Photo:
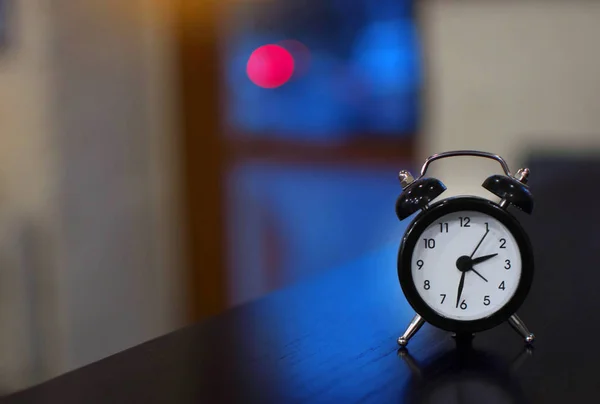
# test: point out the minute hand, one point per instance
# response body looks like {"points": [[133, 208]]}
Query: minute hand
{"points": [[478, 244], [479, 260]]}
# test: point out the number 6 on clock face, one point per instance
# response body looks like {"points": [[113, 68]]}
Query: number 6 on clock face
{"points": [[465, 264]]}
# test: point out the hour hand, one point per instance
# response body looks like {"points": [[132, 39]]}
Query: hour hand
{"points": [[479, 260]]}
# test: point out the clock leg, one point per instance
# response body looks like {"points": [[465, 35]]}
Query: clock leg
{"points": [[416, 323], [517, 324]]}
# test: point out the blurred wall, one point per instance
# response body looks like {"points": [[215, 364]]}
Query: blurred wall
{"points": [[510, 77], [88, 184], [28, 200]]}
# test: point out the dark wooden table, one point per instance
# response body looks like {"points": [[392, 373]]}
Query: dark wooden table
{"points": [[333, 339]]}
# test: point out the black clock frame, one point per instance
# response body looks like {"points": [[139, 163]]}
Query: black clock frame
{"points": [[412, 236]]}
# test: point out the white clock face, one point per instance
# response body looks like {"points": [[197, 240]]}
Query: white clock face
{"points": [[466, 265]]}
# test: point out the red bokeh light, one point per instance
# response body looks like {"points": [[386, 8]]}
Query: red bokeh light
{"points": [[270, 66]]}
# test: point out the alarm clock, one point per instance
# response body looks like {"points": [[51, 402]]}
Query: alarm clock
{"points": [[465, 263]]}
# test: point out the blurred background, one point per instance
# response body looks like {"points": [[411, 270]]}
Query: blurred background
{"points": [[162, 161]]}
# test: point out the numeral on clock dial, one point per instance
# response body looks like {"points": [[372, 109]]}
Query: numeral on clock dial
{"points": [[465, 221]]}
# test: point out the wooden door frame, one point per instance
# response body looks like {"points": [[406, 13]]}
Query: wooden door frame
{"points": [[203, 155]]}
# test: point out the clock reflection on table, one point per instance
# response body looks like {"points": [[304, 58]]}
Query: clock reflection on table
{"points": [[465, 375]]}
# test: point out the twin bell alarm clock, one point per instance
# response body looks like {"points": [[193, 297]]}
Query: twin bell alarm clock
{"points": [[465, 263]]}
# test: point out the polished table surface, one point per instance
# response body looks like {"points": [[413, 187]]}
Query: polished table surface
{"points": [[332, 339]]}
